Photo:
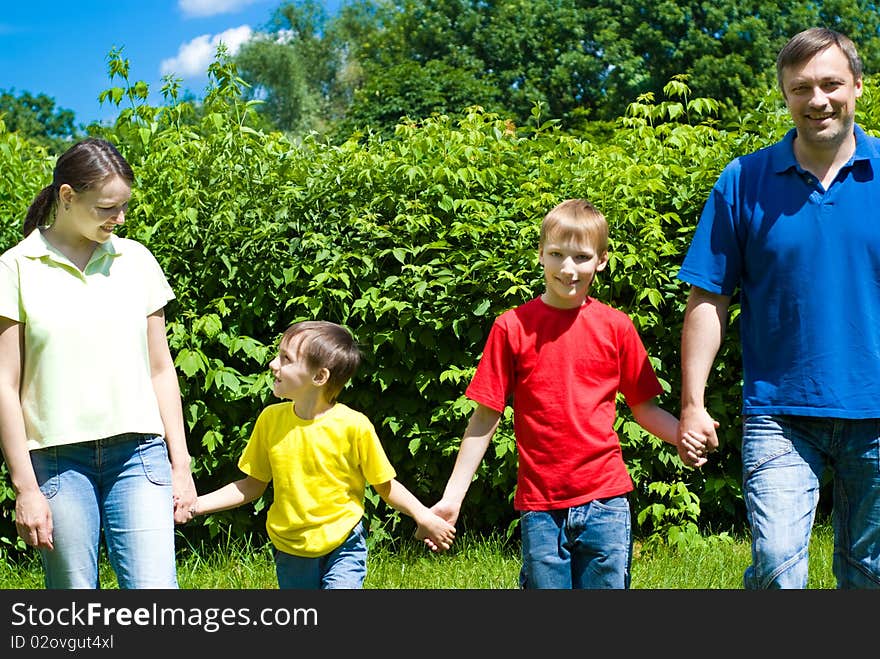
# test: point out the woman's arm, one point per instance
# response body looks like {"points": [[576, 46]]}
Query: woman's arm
{"points": [[171, 410], [33, 518]]}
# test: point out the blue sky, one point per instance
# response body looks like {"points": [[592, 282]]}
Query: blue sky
{"points": [[59, 47]]}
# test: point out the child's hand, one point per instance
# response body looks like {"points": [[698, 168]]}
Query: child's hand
{"points": [[693, 449], [436, 532], [444, 510], [188, 514]]}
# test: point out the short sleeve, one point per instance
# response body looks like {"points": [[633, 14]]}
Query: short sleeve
{"points": [[159, 291], [713, 261], [254, 460], [638, 381], [492, 384], [10, 298], [375, 465]]}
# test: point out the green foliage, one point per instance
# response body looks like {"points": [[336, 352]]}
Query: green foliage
{"points": [[379, 60], [415, 242], [410, 89], [297, 68], [37, 118], [27, 168]]}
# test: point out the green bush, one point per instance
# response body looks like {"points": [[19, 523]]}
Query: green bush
{"points": [[415, 243]]}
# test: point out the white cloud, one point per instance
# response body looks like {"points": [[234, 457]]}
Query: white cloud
{"points": [[194, 57], [211, 7]]}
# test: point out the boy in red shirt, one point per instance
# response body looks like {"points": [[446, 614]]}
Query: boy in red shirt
{"points": [[560, 360]]}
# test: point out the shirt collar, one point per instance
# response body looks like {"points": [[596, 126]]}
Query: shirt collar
{"points": [[36, 246], [783, 151]]}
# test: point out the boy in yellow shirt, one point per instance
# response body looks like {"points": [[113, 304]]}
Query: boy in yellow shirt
{"points": [[320, 454]]}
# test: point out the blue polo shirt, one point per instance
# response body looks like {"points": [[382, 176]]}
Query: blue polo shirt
{"points": [[806, 262]]}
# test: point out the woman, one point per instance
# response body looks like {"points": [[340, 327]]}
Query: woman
{"points": [[91, 425]]}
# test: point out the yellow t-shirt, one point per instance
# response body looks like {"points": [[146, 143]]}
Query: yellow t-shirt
{"points": [[319, 469]]}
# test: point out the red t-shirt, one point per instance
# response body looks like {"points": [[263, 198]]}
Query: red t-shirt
{"points": [[561, 370]]}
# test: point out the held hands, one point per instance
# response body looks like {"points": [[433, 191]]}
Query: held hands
{"points": [[692, 450], [443, 510], [436, 532], [697, 437], [188, 514], [184, 494]]}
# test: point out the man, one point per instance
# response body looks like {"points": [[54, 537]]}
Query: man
{"points": [[795, 228]]}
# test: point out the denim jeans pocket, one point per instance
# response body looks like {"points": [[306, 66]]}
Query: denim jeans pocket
{"points": [[154, 458], [613, 504], [45, 463], [765, 438]]}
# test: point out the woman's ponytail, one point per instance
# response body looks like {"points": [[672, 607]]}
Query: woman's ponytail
{"points": [[40, 211]]}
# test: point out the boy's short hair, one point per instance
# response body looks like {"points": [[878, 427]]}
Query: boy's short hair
{"points": [[575, 220], [326, 345]]}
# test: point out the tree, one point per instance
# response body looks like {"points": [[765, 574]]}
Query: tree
{"points": [[408, 89], [591, 58], [37, 118], [727, 48], [580, 60], [298, 69]]}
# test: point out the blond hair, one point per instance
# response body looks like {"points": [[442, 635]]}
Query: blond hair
{"points": [[575, 220]]}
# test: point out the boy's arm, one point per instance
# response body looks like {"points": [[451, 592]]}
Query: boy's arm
{"points": [[229, 496], [477, 436], [664, 425], [432, 528]]}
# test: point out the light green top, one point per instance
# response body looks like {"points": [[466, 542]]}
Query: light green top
{"points": [[86, 372]]}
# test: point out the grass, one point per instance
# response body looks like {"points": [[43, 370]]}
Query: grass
{"points": [[472, 563], [720, 563]]}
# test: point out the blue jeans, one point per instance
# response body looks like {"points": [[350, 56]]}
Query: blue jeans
{"points": [[344, 567], [588, 546], [783, 461], [121, 485]]}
